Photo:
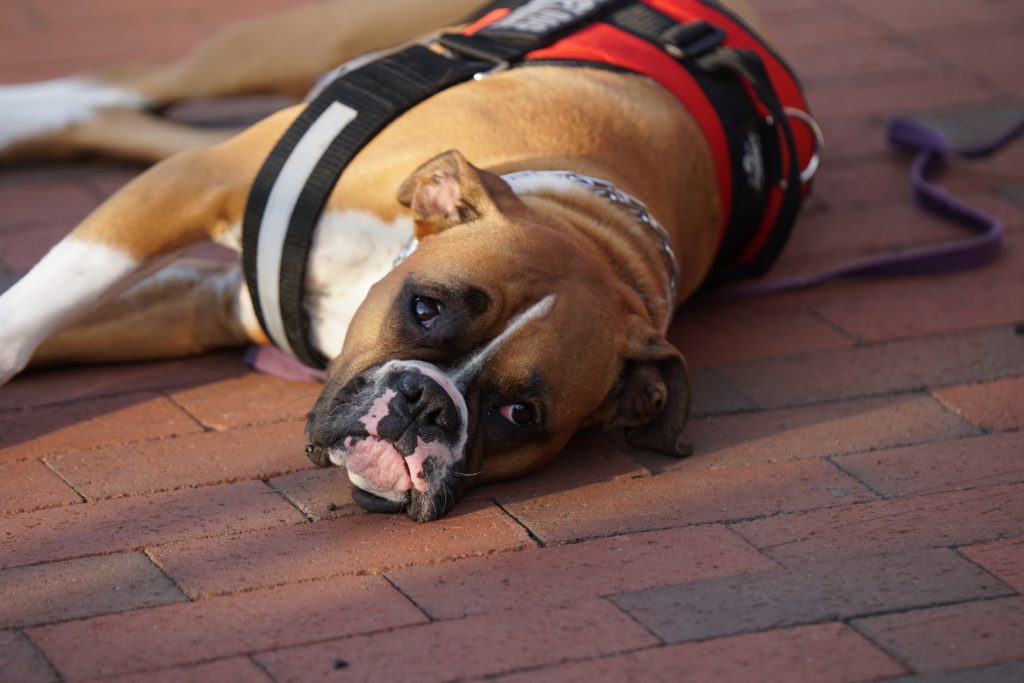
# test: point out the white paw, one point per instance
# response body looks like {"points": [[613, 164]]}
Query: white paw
{"points": [[32, 109], [14, 357]]}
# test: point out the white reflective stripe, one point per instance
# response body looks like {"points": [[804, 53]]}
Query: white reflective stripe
{"points": [[280, 206]]}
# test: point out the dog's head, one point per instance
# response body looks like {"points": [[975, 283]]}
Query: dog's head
{"points": [[483, 352]]}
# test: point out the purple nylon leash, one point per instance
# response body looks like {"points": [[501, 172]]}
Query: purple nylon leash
{"points": [[932, 147]]}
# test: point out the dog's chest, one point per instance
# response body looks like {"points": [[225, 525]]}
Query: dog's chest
{"points": [[351, 251]]}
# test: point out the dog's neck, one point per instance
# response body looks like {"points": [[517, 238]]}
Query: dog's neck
{"points": [[614, 222]]}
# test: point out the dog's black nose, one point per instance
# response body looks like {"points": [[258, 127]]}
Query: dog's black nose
{"points": [[421, 408]]}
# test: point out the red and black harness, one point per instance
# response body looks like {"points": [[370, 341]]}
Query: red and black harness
{"points": [[743, 96]]}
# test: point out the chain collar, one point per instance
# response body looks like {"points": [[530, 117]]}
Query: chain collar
{"points": [[525, 181]]}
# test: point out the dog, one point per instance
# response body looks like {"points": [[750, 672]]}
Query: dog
{"points": [[559, 212]]}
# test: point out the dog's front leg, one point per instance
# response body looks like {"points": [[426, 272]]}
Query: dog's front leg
{"points": [[189, 198]]}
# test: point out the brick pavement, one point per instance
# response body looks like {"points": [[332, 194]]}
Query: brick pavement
{"points": [[855, 509]]}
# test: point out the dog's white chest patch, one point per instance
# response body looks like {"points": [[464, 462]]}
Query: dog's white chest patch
{"points": [[351, 251], [35, 108]]}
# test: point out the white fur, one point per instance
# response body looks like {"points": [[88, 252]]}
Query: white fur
{"points": [[67, 283], [351, 251], [32, 109]]}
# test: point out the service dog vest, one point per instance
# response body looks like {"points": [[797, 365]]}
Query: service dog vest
{"points": [[743, 96]]}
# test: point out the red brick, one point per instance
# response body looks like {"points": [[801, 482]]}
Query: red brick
{"points": [[1005, 559], [943, 519], [814, 431], [904, 365], [31, 485], [952, 637], [995, 405], [74, 47], [822, 26], [348, 545], [930, 306], [810, 592], [321, 493], [729, 331], [563, 575], [826, 653], [221, 671], [246, 400], [917, 16], [88, 586], [678, 500], [868, 181], [40, 388], [711, 394], [455, 650], [53, 201], [210, 458], [941, 466], [223, 626], [897, 94], [88, 424], [21, 662], [130, 523], [874, 57]]}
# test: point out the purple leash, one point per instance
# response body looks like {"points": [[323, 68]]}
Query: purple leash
{"points": [[932, 147]]}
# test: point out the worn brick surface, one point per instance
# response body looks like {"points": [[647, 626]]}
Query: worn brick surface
{"points": [[1005, 559], [1010, 672], [711, 333], [943, 519], [347, 545], [806, 593], [30, 485], [65, 201], [72, 384], [208, 458], [814, 431], [903, 365], [230, 670], [223, 626], [249, 399], [930, 306], [58, 591], [942, 466], [321, 493], [682, 499], [566, 574], [88, 424], [127, 523], [829, 653], [953, 637], [992, 405], [21, 662], [437, 652]]}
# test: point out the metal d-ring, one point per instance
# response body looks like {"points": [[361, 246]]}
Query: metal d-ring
{"points": [[819, 141]]}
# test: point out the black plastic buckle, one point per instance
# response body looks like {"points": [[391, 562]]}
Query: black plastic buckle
{"points": [[691, 40]]}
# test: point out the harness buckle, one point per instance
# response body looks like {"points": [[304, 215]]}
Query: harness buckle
{"points": [[691, 40], [819, 141]]}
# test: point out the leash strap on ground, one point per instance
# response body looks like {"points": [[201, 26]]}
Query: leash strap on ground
{"points": [[932, 147]]}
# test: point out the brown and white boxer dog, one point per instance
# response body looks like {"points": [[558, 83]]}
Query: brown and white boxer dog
{"points": [[532, 306]]}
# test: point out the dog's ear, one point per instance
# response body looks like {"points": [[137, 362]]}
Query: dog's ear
{"points": [[448, 191], [651, 401]]}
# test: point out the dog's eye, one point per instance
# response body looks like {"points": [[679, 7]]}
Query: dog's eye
{"points": [[426, 311], [519, 414]]}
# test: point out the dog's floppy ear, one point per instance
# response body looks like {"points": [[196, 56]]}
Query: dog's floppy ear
{"points": [[448, 191], [651, 401]]}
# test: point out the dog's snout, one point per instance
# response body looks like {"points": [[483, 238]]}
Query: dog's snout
{"points": [[421, 408]]}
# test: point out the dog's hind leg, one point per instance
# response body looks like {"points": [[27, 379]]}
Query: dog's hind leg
{"points": [[110, 112], [191, 197], [189, 307]]}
